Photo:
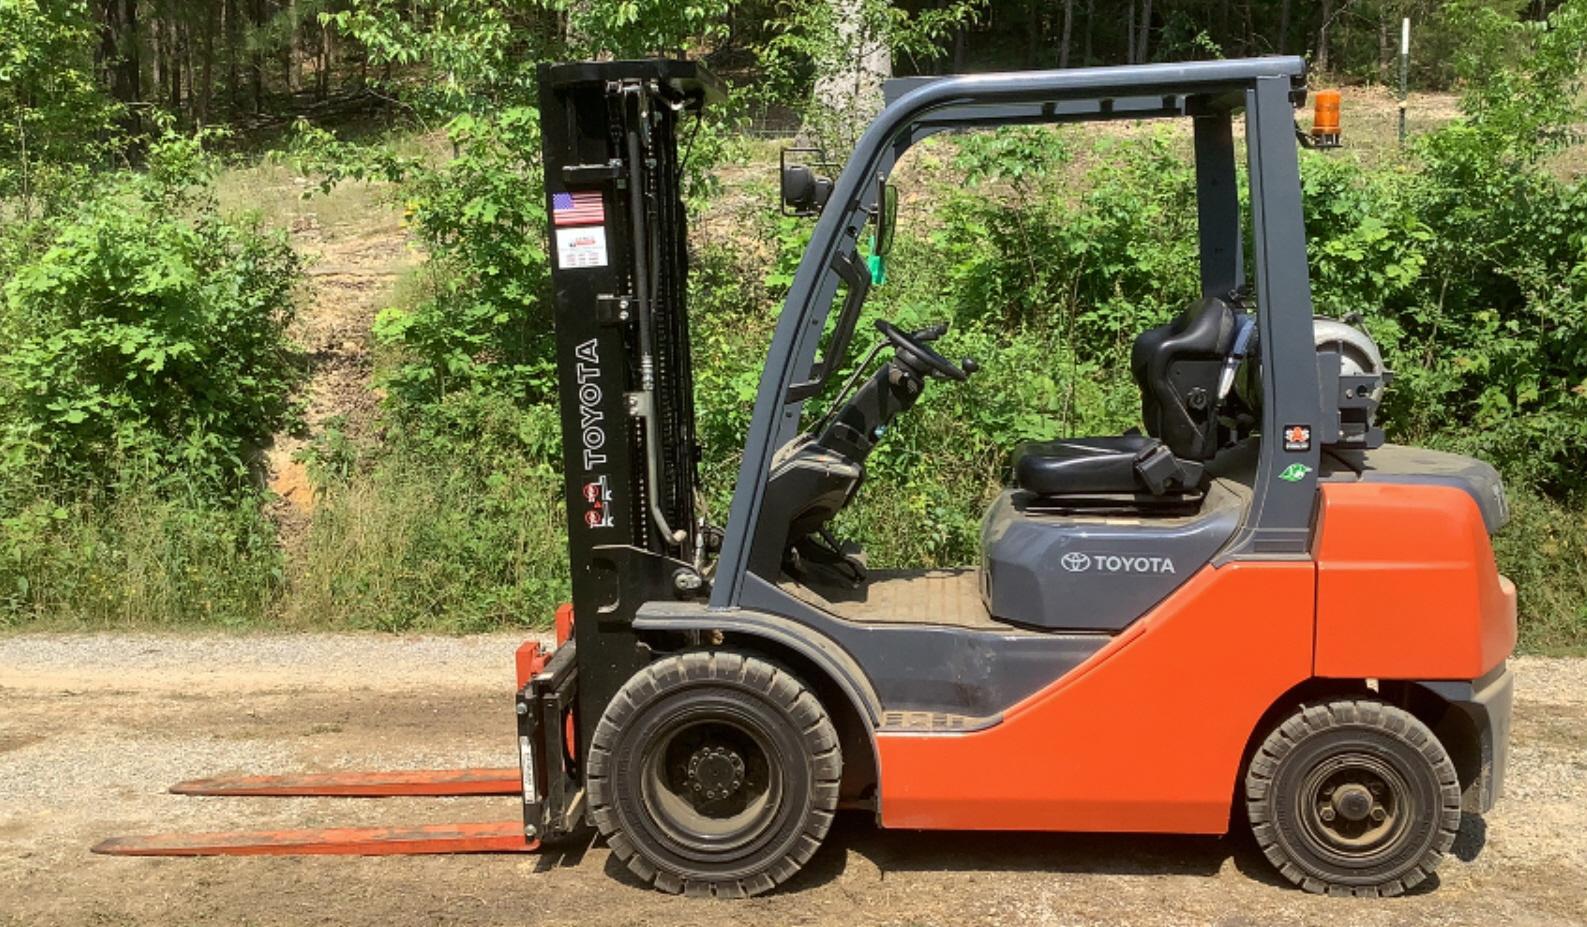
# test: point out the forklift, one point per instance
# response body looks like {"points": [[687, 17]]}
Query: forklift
{"points": [[1252, 612]]}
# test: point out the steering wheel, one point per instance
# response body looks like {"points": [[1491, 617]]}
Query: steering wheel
{"points": [[917, 348]]}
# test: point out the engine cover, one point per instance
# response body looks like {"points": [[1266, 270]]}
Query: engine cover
{"points": [[1095, 573]]}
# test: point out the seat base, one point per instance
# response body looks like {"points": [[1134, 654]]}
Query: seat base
{"points": [[1114, 504], [1129, 464]]}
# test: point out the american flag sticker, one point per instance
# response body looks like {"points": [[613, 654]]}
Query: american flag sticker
{"points": [[578, 207]]}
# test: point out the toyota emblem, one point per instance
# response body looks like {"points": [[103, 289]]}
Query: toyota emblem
{"points": [[1076, 562]]}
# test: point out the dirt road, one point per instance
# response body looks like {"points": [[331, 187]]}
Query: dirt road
{"points": [[92, 728]]}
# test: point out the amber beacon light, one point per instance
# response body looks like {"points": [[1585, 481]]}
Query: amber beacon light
{"points": [[1325, 119]]}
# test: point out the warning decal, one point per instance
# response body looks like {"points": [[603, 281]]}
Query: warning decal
{"points": [[581, 247]]}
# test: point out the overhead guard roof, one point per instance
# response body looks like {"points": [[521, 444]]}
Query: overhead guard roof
{"points": [[1079, 94], [688, 80]]}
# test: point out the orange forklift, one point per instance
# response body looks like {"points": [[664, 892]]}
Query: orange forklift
{"points": [[1252, 611]]}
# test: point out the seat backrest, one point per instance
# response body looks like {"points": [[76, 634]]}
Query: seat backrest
{"points": [[1177, 367]]}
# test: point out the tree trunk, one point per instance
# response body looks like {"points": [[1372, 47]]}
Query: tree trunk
{"points": [[156, 57], [207, 73], [1322, 35], [1385, 49], [173, 66], [1033, 35], [189, 66], [1142, 53], [1091, 15], [1068, 29], [848, 88], [294, 42], [120, 44], [327, 55], [228, 27], [256, 59], [1283, 27], [1129, 35]]}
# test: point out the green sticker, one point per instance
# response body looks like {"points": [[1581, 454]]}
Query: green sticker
{"points": [[1294, 473]]}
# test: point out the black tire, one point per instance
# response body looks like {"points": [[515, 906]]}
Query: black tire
{"points": [[714, 773], [1353, 797]]}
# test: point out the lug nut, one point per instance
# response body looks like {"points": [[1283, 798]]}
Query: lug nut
{"points": [[1378, 814]]}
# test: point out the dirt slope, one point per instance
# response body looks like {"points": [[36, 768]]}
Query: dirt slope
{"points": [[354, 248], [92, 729]]}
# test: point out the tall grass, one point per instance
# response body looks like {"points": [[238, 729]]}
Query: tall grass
{"points": [[138, 559], [416, 544]]}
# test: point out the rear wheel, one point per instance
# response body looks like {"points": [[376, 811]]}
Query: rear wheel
{"points": [[714, 773], [1353, 797]]}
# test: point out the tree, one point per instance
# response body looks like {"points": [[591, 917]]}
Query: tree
{"points": [[52, 112], [849, 75], [1068, 27]]}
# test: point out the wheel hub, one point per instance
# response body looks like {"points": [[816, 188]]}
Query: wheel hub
{"points": [[715, 772], [1353, 802], [1355, 806]]}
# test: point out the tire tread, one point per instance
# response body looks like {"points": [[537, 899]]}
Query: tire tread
{"points": [[743, 671], [1318, 717]]}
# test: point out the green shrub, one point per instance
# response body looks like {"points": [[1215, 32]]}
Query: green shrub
{"points": [[1544, 551], [147, 363], [146, 332], [486, 322]]}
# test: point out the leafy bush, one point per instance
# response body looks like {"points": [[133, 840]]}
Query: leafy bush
{"points": [[1470, 264], [147, 363], [486, 320], [145, 331]]}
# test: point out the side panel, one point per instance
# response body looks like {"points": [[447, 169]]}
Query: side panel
{"points": [[1407, 587], [1147, 735]]}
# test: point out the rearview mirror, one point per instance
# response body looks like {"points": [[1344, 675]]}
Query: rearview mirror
{"points": [[886, 219]]}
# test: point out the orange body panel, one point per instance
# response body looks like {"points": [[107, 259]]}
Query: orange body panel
{"points": [[1406, 585], [1146, 735]]}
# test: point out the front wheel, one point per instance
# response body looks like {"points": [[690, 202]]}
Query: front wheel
{"points": [[714, 773], [1353, 797]]}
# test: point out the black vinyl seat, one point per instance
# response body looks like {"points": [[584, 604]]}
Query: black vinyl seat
{"points": [[1102, 466], [1178, 367]]}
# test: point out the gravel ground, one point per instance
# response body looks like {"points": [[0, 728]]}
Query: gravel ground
{"points": [[93, 727]]}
